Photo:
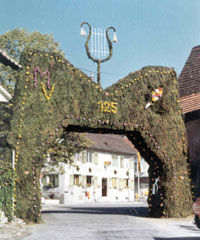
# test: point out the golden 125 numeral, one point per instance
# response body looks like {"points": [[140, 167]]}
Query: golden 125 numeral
{"points": [[110, 107]]}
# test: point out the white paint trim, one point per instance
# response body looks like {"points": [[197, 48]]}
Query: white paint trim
{"points": [[10, 59], [5, 95]]}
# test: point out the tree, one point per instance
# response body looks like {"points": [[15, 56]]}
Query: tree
{"points": [[14, 42], [64, 148]]}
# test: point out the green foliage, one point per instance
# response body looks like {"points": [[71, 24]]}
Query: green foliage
{"points": [[64, 148], [6, 188], [13, 43], [6, 172], [5, 115]]}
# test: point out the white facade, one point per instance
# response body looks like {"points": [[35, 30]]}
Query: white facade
{"points": [[4, 95], [144, 166], [141, 179], [95, 177]]}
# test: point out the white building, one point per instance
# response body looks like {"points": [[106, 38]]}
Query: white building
{"points": [[7, 61], [103, 172], [141, 179], [4, 95]]}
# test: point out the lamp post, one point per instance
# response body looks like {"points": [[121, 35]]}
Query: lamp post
{"points": [[97, 60]]}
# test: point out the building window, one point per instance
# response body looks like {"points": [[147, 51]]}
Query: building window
{"points": [[96, 158], [76, 179], [77, 157], [89, 157], [114, 182], [135, 167], [88, 181], [126, 183], [121, 162], [114, 161], [50, 181]]}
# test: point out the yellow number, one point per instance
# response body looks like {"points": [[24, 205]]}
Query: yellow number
{"points": [[114, 107], [107, 107], [101, 105]]}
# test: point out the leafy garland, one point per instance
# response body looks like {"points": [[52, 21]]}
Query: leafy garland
{"points": [[6, 189], [48, 97], [147, 129]]}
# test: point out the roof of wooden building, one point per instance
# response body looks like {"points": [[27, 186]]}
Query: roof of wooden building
{"points": [[8, 61], [111, 143], [189, 82]]}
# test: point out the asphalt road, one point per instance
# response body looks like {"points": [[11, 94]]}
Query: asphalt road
{"points": [[108, 222]]}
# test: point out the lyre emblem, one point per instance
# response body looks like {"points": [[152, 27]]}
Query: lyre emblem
{"points": [[101, 40]]}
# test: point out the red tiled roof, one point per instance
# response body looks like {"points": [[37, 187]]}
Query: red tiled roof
{"points": [[117, 144], [189, 82], [190, 103]]}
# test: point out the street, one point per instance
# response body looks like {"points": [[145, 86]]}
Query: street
{"points": [[108, 222]]}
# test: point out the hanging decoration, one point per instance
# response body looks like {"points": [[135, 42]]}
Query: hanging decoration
{"points": [[155, 186], [155, 96], [48, 97], [42, 74], [107, 163]]}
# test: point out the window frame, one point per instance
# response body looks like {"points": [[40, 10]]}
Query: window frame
{"points": [[76, 177], [122, 161], [89, 183], [115, 161], [89, 157]]}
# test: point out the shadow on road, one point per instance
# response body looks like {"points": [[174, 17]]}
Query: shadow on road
{"points": [[191, 228], [142, 211], [178, 238]]}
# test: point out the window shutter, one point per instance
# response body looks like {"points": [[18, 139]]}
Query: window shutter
{"points": [[71, 180], [83, 181], [109, 182], [95, 181], [124, 183], [96, 158], [92, 181], [114, 182], [56, 180], [121, 184], [44, 181], [80, 180], [122, 162], [84, 156], [131, 184], [131, 163]]}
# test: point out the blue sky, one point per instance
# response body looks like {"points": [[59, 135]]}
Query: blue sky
{"points": [[150, 32]]}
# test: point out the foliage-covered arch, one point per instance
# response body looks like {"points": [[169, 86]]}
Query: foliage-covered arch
{"points": [[51, 96]]}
